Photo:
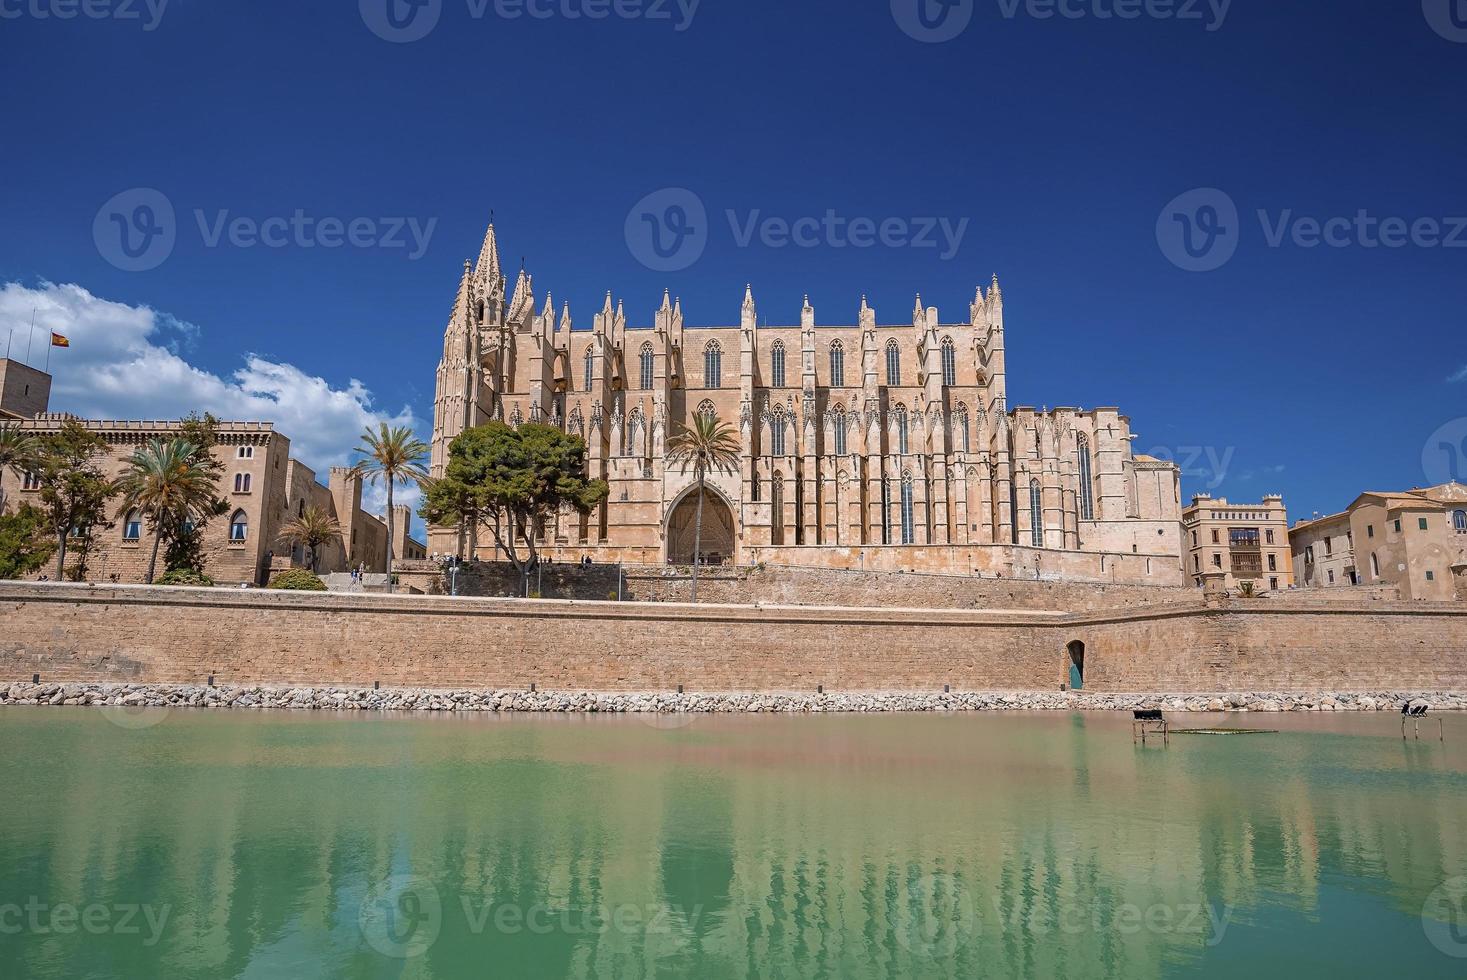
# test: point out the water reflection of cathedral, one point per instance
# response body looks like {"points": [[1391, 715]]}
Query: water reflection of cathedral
{"points": [[1012, 849]]}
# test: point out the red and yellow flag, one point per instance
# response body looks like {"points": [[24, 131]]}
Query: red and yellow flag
{"points": [[57, 340]]}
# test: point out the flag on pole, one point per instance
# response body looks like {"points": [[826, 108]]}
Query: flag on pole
{"points": [[57, 340]]}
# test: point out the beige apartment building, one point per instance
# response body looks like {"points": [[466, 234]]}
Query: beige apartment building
{"points": [[1246, 542], [1413, 540], [864, 444], [263, 485]]}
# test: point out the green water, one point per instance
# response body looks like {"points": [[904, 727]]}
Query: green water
{"points": [[239, 844]]}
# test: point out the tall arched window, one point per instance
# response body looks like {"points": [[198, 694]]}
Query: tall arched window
{"points": [[949, 362], [885, 510], [837, 364], [1374, 566], [1459, 520], [893, 364], [646, 367], [903, 429], [239, 526], [1087, 487], [776, 433], [635, 426], [776, 510], [713, 365], [590, 367], [776, 363], [132, 527], [960, 423], [838, 431], [1036, 515], [909, 534]]}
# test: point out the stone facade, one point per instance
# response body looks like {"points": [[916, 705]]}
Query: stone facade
{"points": [[1246, 542], [1413, 540], [183, 636], [24, 391], [264, 487], [856, 439]]}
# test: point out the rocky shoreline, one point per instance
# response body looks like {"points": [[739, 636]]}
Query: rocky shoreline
{"points": [[141, 696]]}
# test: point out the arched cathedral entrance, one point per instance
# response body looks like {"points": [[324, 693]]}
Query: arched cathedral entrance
{"points": [[718, 529]]}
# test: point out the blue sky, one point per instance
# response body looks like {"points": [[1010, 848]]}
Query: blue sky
{"points": [[1062, 147]]}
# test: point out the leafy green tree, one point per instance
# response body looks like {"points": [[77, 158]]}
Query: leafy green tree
{"points": [[450, 502], [393, 455], [313, 528], [17, 447], [72, 489], [169, 484], [709, 444], [183, 539], [518, 479], [24, 544]]}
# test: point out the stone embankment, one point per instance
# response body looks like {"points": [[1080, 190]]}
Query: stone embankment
{"points": [[367, 699]]}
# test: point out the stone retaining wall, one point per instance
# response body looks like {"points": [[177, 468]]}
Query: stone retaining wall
{"points": [[789, 586], [80, 633]]}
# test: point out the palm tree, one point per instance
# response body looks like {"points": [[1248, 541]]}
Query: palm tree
{"points": [[708, 444], [17, 448], [168, 483], [393, 455], [312, 528]]}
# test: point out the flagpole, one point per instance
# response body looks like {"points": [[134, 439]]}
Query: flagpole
{"points": [[49, 343], [8, 341], [30, 337]]}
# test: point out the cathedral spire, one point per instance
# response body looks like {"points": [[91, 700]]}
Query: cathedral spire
{"points": [[488, 265], [666, 300], [565, 318], [461, 302], [749, 296]]}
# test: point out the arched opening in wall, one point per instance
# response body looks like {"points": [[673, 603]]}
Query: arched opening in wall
{"points": [[717, 545], [1076, 651]]}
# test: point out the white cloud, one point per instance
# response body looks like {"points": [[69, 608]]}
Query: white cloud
{"points": [[124, 362], [1459, 375]]}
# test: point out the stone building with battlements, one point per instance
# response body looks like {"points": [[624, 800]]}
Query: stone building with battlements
{"points": [[879, 446], [263, 486]]}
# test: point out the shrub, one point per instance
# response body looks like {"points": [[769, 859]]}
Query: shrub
{"points": [[186, 576], [297, 580]]}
